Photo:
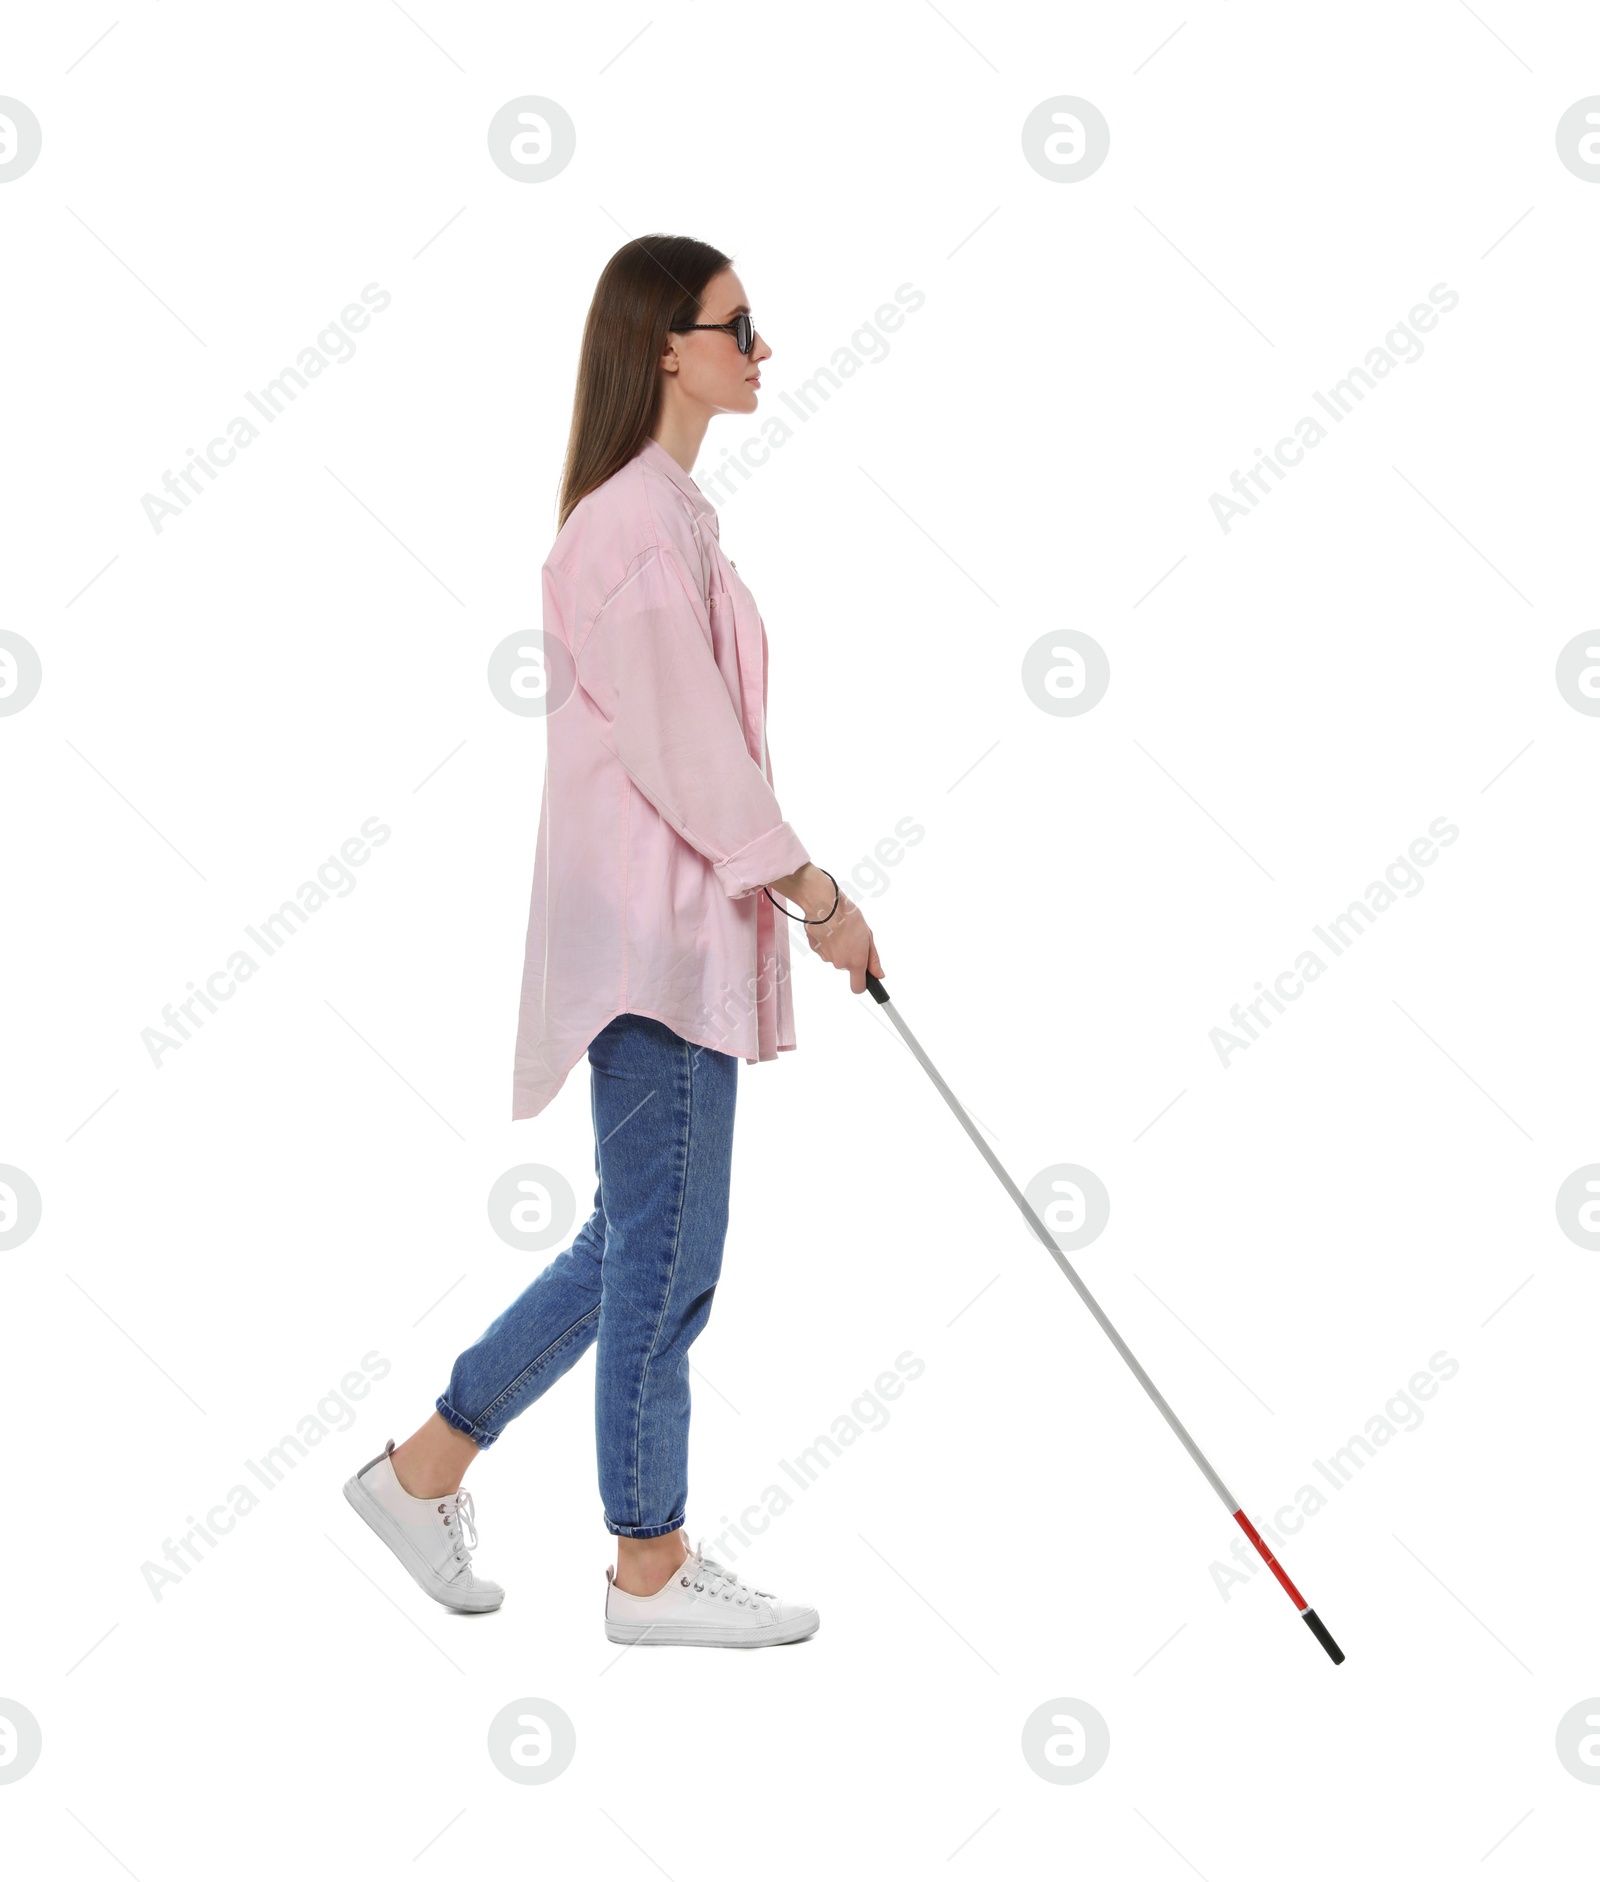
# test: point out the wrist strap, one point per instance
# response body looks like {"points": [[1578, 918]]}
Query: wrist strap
{"points": [[810, 921]]}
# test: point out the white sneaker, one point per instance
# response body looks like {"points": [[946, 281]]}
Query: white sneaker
{"points": [[425, 1533], [705, 1605]]}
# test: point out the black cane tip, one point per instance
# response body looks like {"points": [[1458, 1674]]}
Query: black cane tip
{"points": [[1334, 1651]]}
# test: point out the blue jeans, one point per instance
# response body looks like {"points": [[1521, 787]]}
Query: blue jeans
{"points": [[637, 1281]]}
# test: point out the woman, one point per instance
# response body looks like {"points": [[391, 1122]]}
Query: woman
{"points": [[655, 943]]}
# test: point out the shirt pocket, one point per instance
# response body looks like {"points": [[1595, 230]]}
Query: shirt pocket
{"points": [[730, 603], [734, 583], [721, 613]]}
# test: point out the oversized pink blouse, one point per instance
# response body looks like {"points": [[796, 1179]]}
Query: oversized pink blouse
{"points": [[658, 825]]}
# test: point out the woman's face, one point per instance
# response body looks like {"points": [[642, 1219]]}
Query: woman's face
{"points": [[711, 370]]}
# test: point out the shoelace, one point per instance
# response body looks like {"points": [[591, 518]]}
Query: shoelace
{"points": [[461, 1505], [716, 1575]]}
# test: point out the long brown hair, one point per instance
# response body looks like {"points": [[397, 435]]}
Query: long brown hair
{"points": [[651, 284]]}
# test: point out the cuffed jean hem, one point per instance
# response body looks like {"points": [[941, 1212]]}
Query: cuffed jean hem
{"points": [[643, 1531], [454, 1419]]}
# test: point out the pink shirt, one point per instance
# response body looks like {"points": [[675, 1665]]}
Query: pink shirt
{"points": [[659, 825]]}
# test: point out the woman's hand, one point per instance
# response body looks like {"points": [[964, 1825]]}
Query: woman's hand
{"points": [[844, 941]]}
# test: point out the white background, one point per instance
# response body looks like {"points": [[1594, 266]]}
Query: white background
{"points": [[1292, 702]]}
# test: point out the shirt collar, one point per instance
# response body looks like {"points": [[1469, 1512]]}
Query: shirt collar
{"points": [[661, 459]]}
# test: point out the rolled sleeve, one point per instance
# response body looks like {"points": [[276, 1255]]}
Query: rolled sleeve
{"points": [[646, 662]]}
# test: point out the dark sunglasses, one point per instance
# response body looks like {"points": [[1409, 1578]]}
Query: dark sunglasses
{"points": [[741, 327]]}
